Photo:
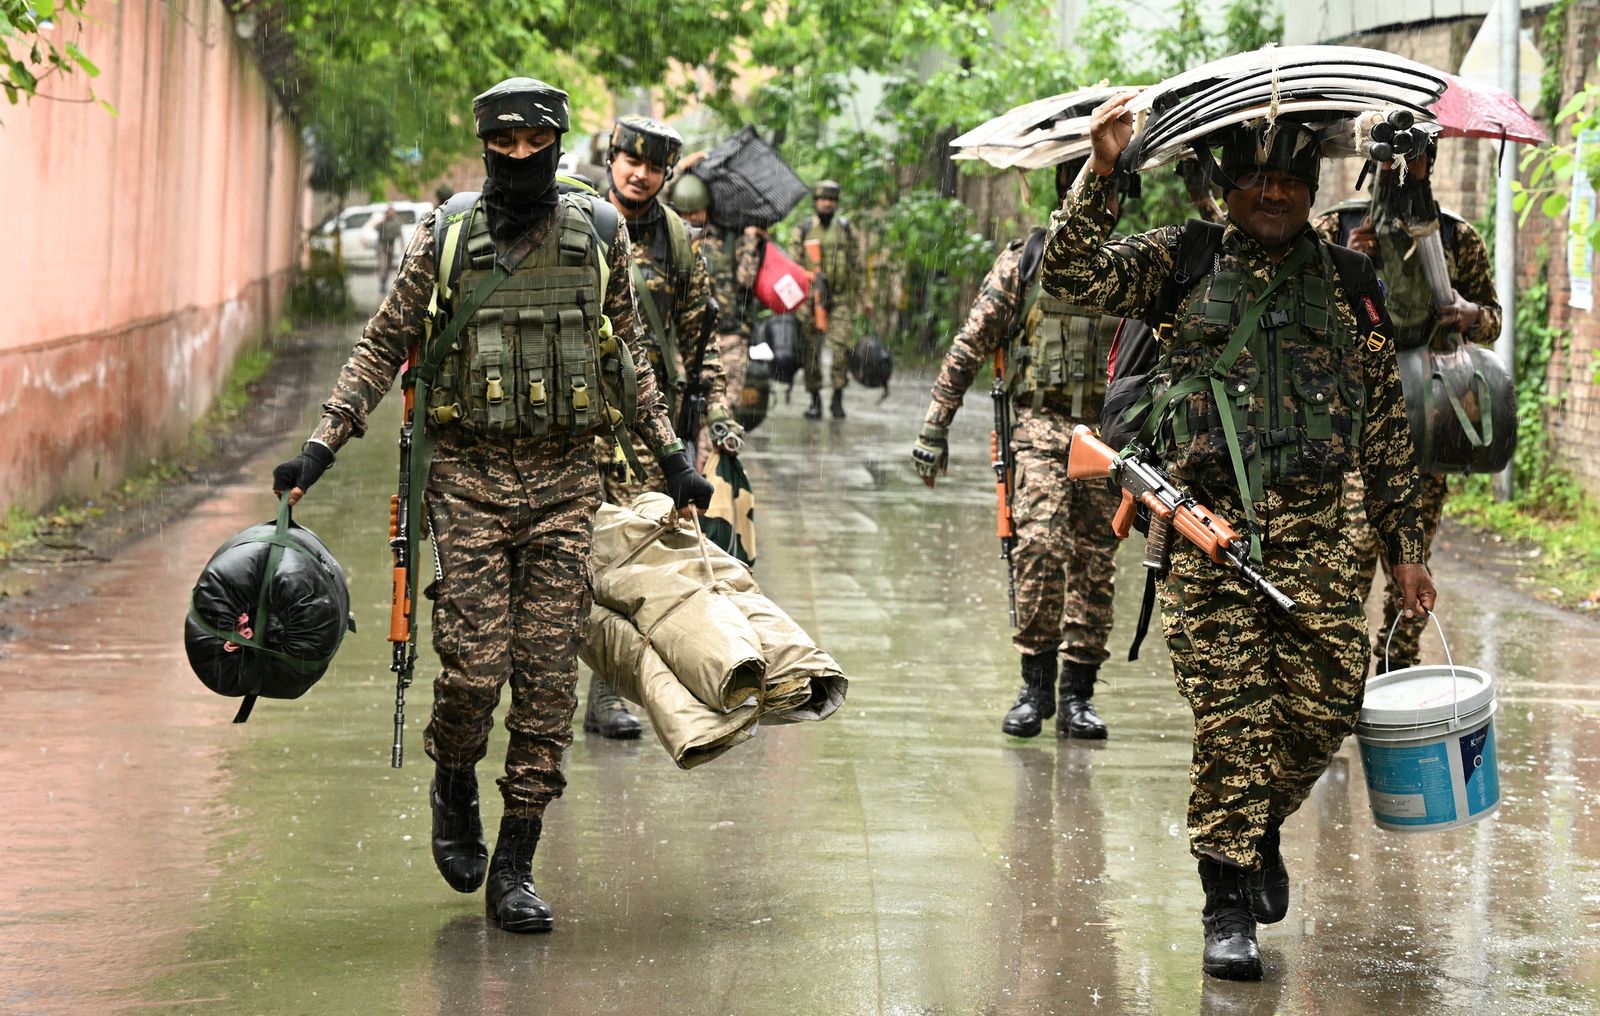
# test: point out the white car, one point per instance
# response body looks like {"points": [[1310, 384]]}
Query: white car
{"points": [[358, 230]]}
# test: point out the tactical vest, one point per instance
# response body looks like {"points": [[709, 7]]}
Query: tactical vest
{"points": [[658, 288], [538, 356], [1063, 358], [1295, 395], [836, 238]]}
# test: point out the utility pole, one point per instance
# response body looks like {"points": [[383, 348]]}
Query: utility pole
{"points": [[1505, 221]]}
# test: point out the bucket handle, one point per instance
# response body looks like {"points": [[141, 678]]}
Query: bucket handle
{"points": [[1455, 698]]}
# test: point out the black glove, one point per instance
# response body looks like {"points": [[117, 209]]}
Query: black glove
{"points": [[684, 484], [304, 469]]}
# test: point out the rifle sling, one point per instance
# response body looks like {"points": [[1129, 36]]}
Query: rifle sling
{"points": [[421, 378], [666, 339]]}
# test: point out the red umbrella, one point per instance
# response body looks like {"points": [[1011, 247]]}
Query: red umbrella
{"points": [[1471, 109]]}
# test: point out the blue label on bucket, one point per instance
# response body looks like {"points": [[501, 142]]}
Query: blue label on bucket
{"points": [[1410, 785], [1478, 763]]}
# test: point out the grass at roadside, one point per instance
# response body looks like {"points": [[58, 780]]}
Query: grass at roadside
{"points": [[1565, 533], [21, 530]]}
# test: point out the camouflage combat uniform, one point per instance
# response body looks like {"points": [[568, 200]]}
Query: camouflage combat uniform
{"points": [[1273, 696], [653, 258], [511, 519], [1472, 274], [1063, 528], [733, 267], [841, 264]]}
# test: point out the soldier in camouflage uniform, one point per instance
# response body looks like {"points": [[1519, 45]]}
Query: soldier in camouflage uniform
{"points": [[1475, 315], [1273, 695], [513, 484], [674, 294], [845, 288], [733, 261], [1055, 358]]}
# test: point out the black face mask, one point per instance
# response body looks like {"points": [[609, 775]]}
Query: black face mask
{"points": [[826, 218], [519, 191]]}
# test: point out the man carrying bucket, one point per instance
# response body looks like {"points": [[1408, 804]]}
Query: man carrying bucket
{"points": [[1307, 391]]}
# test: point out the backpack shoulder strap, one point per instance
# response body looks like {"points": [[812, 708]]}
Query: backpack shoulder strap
{"points": [[451, 224], [1358, 281], [1028, 276], [1197, 246], [678, 242]]}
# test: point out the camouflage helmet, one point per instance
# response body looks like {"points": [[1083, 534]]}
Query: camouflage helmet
{"points": [[1291, 148], [689, 194], [647, 138], [520, 102], [825, 190]]}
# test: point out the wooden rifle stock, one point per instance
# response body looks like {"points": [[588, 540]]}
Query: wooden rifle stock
{"points": [[1090, 458]]}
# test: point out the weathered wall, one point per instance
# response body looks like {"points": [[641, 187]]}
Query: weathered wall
{"points": [[1575, 420], [146, 248]]}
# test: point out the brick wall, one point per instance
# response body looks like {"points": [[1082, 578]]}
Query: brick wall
{"points": [[1575, 421]]}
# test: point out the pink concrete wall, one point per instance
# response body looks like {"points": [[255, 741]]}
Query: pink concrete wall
{"points": [[145, 250]]}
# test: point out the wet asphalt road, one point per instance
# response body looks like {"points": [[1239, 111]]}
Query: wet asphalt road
{"points": [[902, 857]]}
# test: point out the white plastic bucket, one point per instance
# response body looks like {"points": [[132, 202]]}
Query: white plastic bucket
{"points": [[1427, 746]]}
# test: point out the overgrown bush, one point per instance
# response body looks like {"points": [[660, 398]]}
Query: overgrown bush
{"points": [[322, 291]]}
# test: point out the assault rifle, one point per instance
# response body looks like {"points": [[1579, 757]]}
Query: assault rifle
{"points": [[1167, 507], [693, 408], [1004, 475], [402, 612]]}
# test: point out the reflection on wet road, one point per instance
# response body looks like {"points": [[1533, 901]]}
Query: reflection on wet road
{"points": [[903, 857]]}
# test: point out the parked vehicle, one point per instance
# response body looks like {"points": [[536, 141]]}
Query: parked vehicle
{"points": [[358, 230]]}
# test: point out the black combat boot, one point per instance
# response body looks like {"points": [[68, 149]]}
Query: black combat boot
{"points": [[1270, 885], [836, 407], [607, 715], [1035, 703], [1077, 717], [510, 899], [814, 411], [458, 847], [1231, 951]]}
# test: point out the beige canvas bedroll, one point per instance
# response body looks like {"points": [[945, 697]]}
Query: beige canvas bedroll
{"points": [[680, 627]]}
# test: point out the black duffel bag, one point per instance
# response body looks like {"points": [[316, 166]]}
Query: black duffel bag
{"points": [[755, 396], [267, 614], [871, 364], [1461, 404], [782, 333]]}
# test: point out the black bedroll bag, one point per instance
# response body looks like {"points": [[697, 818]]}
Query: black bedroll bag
{"points": [[871, 364], [267, 613], [1462, 407], [782, 333], [750, 183]]}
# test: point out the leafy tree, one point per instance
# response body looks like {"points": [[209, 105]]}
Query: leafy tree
{"points": [[39, 41]]}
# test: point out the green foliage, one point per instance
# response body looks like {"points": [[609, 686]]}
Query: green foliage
{"points": [[38, 40], [1540, 487], [944, 67], [383, 88], [321, 292], [1548, 172], [1552, 39], [939, 247]]}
